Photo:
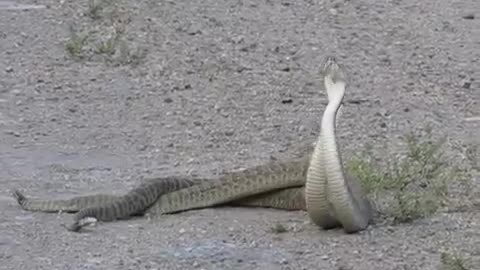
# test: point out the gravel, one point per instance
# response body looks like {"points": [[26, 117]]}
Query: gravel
{"points": [[227, 85]]}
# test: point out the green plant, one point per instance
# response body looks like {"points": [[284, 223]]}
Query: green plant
{"points": [[278, 228], [453, 262], [75, 43], [108, 46], [95, 8], [472, 154], [104, 39], [414, 184]]}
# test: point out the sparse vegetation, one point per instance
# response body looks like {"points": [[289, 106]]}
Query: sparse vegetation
{"points": [[453, 262], [108, 46], [472, 154], [95, 8], [129, 56], [279, 228], [75, 43], [104, 37], [412, 185]]}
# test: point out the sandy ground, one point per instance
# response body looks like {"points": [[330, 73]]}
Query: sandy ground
{"points": [[227, 85]]}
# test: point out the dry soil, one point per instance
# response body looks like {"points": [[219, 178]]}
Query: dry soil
{"points": [[226, 85]]}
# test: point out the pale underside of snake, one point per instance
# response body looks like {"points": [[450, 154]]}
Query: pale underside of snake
{"points": [[316, 183]]}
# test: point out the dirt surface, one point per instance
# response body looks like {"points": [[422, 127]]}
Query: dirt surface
{"points": [[227, 85]]}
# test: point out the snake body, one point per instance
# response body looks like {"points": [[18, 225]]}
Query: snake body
{"points": [[316, 184], [332, 198]]}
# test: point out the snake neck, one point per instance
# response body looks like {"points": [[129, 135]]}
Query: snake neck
{"points": [[330, 155], [335, 93]]}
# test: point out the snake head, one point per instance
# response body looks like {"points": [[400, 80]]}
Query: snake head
{"points": [[331, 69]]}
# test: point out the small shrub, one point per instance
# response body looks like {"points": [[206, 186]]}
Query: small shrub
{"points": [[104, 38], [108, 46], [75, 43], [279, 228], [95, 8], [453, 262], [414, 185]]}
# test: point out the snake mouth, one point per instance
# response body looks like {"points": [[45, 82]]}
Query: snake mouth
{"points": [[332, 198]]}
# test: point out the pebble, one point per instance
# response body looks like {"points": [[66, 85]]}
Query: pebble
{"points": [[333, 11], [238, 39], [12, 132]]}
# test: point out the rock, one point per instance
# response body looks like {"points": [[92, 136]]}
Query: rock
{"points": [[287, 101], [13, 133]]}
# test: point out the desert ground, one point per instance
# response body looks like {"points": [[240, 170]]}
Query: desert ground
{"points": [[203, 87]]}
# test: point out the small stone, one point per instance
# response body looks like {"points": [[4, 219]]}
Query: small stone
{"points": [[168, 100], [284, 68], [287, 101], [467, 85], [238, 39], [192, 31], [9, 69], [12, 132], [182, 230], [469, 16]]}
